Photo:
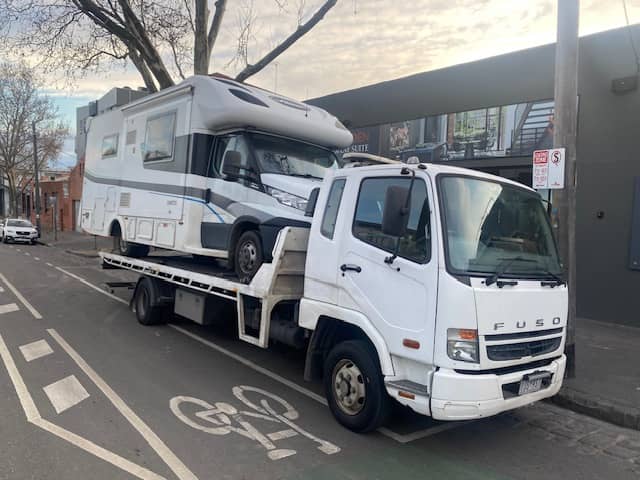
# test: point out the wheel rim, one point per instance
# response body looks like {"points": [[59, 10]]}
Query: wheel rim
{"points": [[141, 306], [348, 387], [247, 256], [122, 244]]}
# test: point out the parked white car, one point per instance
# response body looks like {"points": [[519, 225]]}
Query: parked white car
{"points": [[18, 230]]}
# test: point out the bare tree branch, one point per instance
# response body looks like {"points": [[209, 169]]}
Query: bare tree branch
{"points": [[221, 6], [250, 70]]}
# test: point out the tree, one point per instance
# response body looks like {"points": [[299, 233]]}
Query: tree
{"points": [[161, 38], [20, 105]]}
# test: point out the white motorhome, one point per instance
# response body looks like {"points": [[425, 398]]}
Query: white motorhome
{"points": [[210, 167], [436, 286]]}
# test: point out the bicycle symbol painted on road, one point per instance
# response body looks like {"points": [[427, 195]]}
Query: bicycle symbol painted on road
{"points": [[222, 418]]}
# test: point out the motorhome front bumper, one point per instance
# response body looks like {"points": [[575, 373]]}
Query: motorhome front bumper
{"points": [[463, 396]]}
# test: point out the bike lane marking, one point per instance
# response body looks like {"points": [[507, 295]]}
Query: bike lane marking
{"points": [[66, 393], [19, 296], [34, 350], [33, 417], [8, 308], [172, 461]]}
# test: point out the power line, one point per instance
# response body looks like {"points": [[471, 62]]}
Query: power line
{"points": [[633, 45]]}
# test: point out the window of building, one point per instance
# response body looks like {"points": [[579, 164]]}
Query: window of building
{"points": [[110, 146], [415, 245], [328, 225], [159, 137]]}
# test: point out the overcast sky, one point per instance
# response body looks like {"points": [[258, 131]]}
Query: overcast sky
{"points": [[361, 42]]}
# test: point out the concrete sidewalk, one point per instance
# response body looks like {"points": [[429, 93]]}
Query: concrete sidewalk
{"points": [[607, 383]]}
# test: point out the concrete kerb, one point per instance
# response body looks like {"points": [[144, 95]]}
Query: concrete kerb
{"points": [[598, 407]]}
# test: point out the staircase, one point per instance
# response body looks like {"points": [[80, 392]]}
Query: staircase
{"points": [[534, 126]]}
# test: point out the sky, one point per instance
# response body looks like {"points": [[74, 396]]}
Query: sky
{"points": [[361, 42]]}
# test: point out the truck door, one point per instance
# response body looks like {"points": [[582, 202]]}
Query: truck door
{"points": [[398, 298]]}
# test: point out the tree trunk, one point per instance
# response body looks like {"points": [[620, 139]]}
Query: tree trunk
{"points": [[201, 43]]}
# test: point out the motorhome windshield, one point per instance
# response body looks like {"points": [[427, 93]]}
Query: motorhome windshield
{"points": [[289, 157], [494, 227]]}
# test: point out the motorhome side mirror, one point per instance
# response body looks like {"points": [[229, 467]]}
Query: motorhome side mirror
{"points": [[311, 203], [232, 164], [394, 216]]}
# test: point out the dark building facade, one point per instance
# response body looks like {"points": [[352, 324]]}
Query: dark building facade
{"points": [[491, 114]]}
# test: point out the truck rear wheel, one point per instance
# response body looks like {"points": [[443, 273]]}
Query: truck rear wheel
{"points": [[248, 256], [146, 312], [354, 386]]}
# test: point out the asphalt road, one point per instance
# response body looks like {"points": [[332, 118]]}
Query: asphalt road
{"points": [[88, 393]]}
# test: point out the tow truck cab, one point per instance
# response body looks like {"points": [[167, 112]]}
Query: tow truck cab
{"points": [[449, 278]]}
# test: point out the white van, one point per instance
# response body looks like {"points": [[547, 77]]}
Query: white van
{"points": [[209, 167]]}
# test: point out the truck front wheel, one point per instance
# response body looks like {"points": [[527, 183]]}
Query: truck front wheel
{"points": [[146, 312], [354, 386]]}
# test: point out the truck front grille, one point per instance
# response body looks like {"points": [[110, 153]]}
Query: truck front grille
{"points": [[515, 351]]}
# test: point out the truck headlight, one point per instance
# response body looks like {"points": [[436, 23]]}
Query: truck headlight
{"points": [[462, 345], [288, 199]]}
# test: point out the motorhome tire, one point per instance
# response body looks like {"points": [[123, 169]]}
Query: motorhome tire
{"points": [[354, 386], [248, 255], [129, 249], [146, 312]]}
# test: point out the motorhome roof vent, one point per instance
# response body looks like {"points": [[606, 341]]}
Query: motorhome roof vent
{"points": [[247, 97]]}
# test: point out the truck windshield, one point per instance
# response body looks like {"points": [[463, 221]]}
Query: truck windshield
{"points": [[493, 226], [289, 157]]}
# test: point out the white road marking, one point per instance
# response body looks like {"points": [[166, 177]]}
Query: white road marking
{"points": [[282, 434], [49, 265], [34, 350], [24, 301], [37, 258], [294, 386], [90, 285], [18, 250], [33, 416], [8, 308], [27, 254], [66, 393], [172, 461], [1, 290]]}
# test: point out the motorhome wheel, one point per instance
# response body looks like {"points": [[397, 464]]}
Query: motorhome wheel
{"points": [[248, 255], [129, 249]]}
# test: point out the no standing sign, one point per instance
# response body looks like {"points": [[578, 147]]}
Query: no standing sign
{"points": [[548, 168]]}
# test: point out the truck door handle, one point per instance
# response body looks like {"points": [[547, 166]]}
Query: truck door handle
{"points": [[354, 268]]}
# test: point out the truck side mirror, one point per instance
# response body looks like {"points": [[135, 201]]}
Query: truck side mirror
{"points": [[232, 164], [395, 216], [311, 203]]}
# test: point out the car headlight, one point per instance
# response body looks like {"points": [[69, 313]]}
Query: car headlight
{"points": [[462, 345], [288, 199]]}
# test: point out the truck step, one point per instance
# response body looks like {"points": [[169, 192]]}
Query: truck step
{"points": [[409, 386]]}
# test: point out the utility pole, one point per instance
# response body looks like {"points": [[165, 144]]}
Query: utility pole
{"points": [[564, 135], [36, 176]]}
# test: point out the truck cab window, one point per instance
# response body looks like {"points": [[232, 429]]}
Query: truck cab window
{"points": [[234, 143], [415, 245], [333, 206], [159, 137]]}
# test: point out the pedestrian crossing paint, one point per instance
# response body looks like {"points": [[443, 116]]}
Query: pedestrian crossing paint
{"points": [[35, 350], [8, 308], [66, 393]]}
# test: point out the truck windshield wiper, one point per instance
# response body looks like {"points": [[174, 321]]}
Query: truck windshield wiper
{"points": [[303, 175], [557, 279], [503, 267]]}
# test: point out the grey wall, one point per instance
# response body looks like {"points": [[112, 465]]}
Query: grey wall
{"points": [[608, 138]]}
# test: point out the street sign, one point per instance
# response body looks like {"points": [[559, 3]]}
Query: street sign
{"points": [[548, 168]]}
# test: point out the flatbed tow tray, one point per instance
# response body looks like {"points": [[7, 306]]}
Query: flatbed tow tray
{"points": [[280, 280]]}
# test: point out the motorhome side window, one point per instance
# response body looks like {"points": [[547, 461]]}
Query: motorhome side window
{"points": [[415, 245], [159, 137], [110, 146], [331, 210], [233, 147]]}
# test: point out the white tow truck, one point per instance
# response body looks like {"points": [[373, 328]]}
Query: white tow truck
{"points": [[435, 286]]}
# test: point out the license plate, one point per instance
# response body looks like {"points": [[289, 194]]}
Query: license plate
{"points": [[533, 382]]}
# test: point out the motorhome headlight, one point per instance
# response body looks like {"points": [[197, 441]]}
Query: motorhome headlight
{"points": [[288, 199], [462, 344]]}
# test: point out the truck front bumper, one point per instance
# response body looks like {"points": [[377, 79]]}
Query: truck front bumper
{"points": [[461, 396]]}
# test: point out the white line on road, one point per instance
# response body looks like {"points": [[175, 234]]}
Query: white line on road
{"points": [[294, 386], [33, 416], [37, 258], [8, 308], [24, 301], [1, 290], [27, 254], [172, 461], [34, 350], [49, 265], [65, 393], [90, 285]]}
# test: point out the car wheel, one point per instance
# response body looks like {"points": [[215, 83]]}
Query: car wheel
{"points": [[248, 255], [354, 386]]}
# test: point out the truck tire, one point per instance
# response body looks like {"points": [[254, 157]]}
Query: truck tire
{"points": [[248, 256], [146, 313], [354, 386]]}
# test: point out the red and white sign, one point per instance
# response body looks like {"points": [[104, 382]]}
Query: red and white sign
{"points": [[548, 168]]}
